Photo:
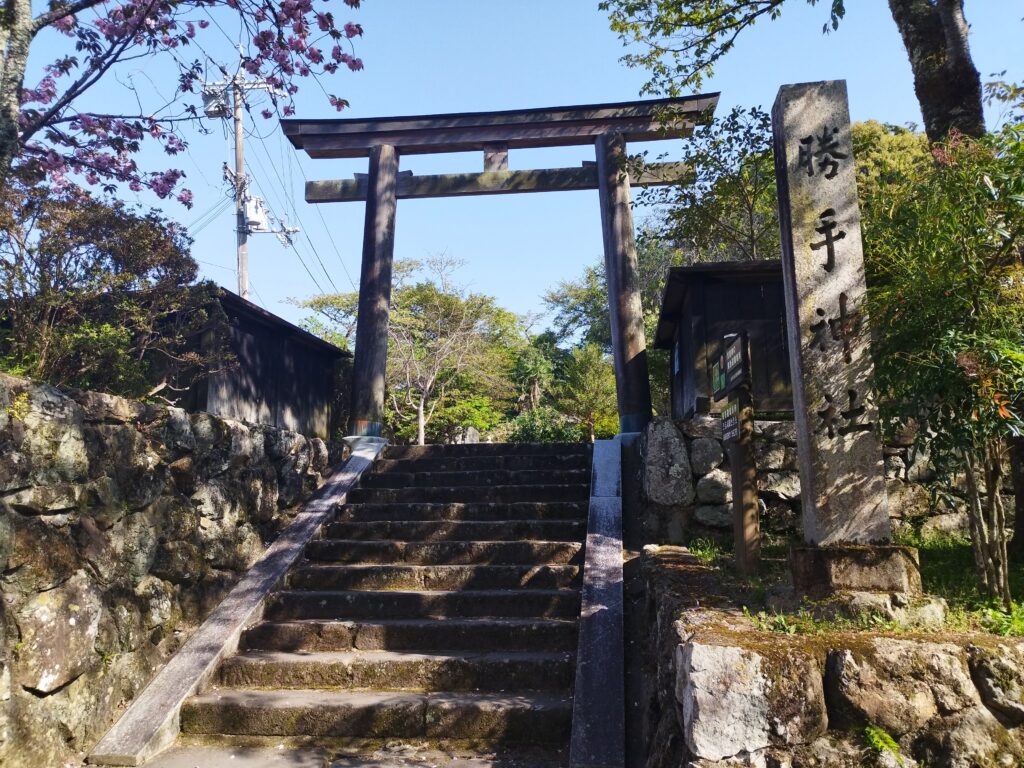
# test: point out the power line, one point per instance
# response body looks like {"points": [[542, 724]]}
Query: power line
{"points": [[297, 253], [266, 152], [327, 231]]}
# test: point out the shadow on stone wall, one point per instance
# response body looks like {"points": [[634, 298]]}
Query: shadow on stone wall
{"points": [[122, 525]]}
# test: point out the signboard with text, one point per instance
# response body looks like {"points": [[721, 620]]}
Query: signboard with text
{"points": [[733, 367], [731, 422]]}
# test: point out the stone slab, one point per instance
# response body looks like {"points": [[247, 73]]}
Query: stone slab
{"points": [[598, 718], [151, 723], [819, 572], [841, 471]]}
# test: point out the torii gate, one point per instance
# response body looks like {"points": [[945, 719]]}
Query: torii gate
{"points": [[607, 126]]}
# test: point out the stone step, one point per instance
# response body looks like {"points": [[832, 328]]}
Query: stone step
{"points": [[508, 634], [446, 552], [269, 752], [391, 671], [432, 577], [485, 449], [481, 477], [526, 510], [502, 718], [423, 604], [476, 463], [472, 493], [459, 530]]}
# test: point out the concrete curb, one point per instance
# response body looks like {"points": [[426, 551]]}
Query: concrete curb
{"points": [[599, 708], [151, 723]]}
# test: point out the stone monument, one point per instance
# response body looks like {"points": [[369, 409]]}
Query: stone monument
{"points": [[843, 484]]}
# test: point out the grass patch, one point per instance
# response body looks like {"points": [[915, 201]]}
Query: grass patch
{"points": [[947, 571]]}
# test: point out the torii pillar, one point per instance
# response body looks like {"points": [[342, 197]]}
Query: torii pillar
{"points": [[370, 367], [625, 311]]}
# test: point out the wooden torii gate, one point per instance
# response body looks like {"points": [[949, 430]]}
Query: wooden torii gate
{"points": [[383, 140]]}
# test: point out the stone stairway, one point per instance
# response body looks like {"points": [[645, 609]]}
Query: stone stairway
{"points": [[440, 606]]}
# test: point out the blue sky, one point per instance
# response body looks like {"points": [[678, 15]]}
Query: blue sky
{"points": [[433, 56]]}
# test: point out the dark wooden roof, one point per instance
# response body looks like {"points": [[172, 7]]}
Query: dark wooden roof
{"points": [[234, 304], [467, 131], [680, 279]]}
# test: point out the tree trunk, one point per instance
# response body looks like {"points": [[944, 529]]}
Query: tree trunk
{"points": [[421, 424], [1017, 473], [15, 39], [946, 81]]}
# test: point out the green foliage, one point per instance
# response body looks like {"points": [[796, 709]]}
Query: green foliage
{"points": [[707, 551], [943, 253], [681, 41], [97, 295], [1011, 98], [887, 155], [544, 425], [880, 742], [585, 392], [19, 407], [534, 368], [450, 351], [1009, 622], [728, 209], [947, 571]]}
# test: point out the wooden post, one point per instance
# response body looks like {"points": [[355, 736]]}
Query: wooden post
{"points": [[374, 294], [746, 522], [625, 313]]}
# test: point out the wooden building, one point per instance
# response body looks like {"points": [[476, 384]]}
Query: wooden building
{"points": [[704, 302], [285, 377]]}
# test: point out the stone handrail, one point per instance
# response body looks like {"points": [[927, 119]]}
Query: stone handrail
{"points": [[599, 710]]}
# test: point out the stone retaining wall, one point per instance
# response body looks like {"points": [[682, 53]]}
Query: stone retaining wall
{"points": [[722, 691], [121, 526], [688, 485]]}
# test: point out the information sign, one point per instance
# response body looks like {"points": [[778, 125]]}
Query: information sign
{"points": [[731, 422], [732, 369]]}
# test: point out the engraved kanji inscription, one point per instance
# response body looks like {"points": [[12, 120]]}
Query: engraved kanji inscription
{"points": [[828, 228], [824, 149], [835, 421], [843, 328]]}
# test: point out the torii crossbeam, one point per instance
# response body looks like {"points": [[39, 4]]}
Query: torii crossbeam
{"points": [[383, 140]]}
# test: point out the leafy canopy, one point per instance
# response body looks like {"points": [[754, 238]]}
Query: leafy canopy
{"points": [[98, 295], [682, 40]]}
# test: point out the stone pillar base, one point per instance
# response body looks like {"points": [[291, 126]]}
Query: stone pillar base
{"points": [[820, 572]]}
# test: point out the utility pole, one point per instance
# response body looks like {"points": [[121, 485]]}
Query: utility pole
{"points": [[241, 226], [250, 213]]}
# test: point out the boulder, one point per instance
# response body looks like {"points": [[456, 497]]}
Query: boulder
{"points": [[898, 685], [667, 477], [40, 556], [45, 431], [971, 738], [895, 467], [320, 459], [722, 693], [705, 455], [907, 500], [45, 499], [111, 409], [782, 485], [942, 526], [999, 675], [776, 431], [796, 695], [714, 515], [58, 631], [701, 425], [715, 487], [770, 456], [178, 435]]}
